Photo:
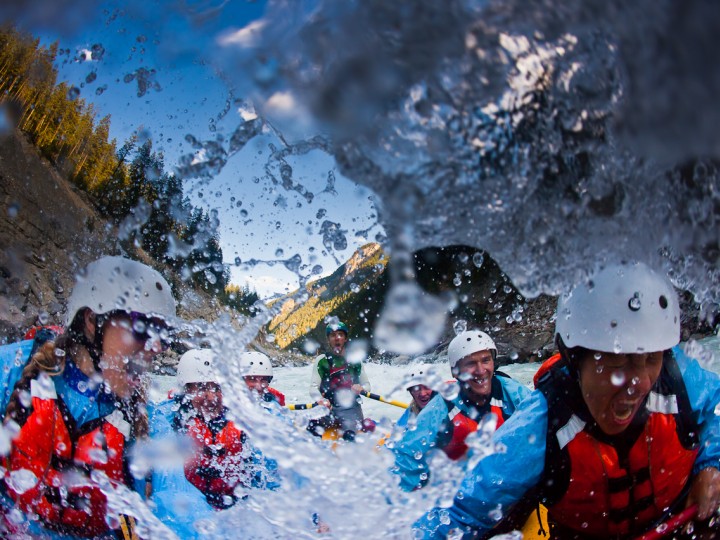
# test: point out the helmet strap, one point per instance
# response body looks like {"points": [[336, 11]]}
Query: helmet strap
{"points": [[572, 365], [94, 347]]}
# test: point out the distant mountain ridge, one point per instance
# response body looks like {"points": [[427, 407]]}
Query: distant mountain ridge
{"points": [[354, 293]]}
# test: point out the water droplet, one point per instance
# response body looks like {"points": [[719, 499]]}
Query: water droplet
{"points": [[345, 398], [478, 259], [634, 303], [15, 516], [13, 209], [238, 261], [354, 287], [279, 253], [618, 377], [356, 351], [496, 514], [21, 480], [73, 93], [411, 320], [460, 326], [311, 346], [270, 338]]}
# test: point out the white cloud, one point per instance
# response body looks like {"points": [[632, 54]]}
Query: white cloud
{"points": [[244, 37], [265, 284], [281, 102]]}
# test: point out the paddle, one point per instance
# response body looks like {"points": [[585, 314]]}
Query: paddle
{"points": [[670, 525], [127, 526], [384, 400], [302, 406]]}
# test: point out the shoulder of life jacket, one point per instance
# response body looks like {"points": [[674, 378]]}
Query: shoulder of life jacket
{"points": [[279, 396], [590, 485], [47, 446]]}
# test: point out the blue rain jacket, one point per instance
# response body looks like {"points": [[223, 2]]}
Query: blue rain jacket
{"points": [[412, 449], [502, 479]]}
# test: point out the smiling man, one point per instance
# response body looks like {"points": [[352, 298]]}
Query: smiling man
{"points": [[445, 423]]}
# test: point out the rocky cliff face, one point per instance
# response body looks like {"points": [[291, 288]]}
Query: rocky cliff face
{"points": [[481, 294], [49, 230]]}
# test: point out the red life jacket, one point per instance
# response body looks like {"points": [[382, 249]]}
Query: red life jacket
{"points": [[460, 425], [218, 464], [279, 396], [48, 445], [336, 373], [592, 485]]}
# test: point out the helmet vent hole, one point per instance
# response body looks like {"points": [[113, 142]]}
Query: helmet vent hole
{"points": [[663, 301], [158, 286]]}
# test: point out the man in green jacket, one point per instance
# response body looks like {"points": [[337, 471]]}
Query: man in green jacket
{"points": [[337, 383]]}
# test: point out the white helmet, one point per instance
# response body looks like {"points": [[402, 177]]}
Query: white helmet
{"points": [[196, 366], [113, 283], [255, 364], [621, 309], [467, 343], [418, 375]]}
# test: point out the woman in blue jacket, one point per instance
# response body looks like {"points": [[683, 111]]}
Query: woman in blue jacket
{"points": [[621, 433]]}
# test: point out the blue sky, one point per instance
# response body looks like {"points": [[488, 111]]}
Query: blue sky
{"points": [[184, 95]]}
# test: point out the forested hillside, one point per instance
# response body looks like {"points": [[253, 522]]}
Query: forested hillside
{"points": [[122, 199], [354, 293]]}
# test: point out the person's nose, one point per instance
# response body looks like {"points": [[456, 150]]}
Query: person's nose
{"points": [[480, 369]]}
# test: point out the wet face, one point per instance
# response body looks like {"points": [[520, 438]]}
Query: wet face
{"points": [[475, 373], [129, 347], [205, 398], [257, 383], [337, 341], [421, 395], [614, 386]]}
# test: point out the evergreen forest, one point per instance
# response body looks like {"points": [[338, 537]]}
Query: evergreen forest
{"points": [[128, 185]]}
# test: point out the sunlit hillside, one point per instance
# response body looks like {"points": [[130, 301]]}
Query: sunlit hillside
{"points": [[354, 293]]}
